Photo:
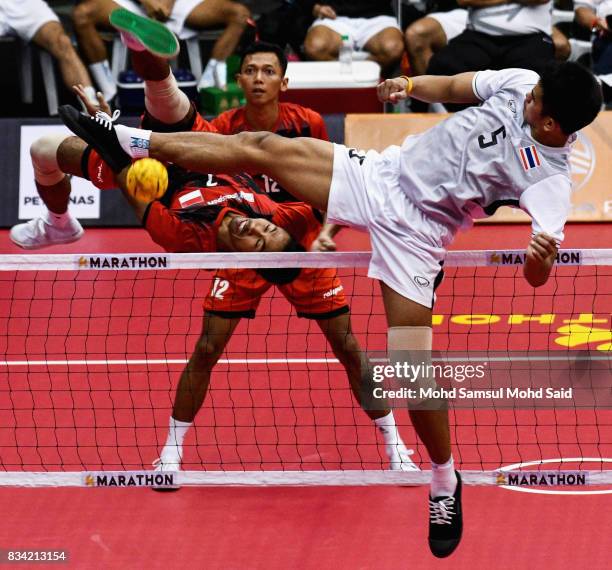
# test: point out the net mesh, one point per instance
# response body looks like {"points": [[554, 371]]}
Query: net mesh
{"points": [[92, 346]]}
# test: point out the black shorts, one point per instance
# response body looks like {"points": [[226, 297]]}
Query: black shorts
{"points": [[474, 51]]}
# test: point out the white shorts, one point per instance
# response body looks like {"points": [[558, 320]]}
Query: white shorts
{"points": [[176, 22], [24, 18], [407, 250], [359, 30], [453, 22]]}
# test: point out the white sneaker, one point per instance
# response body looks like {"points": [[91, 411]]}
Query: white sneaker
{"points": [[399, 458], [164, 465], [39, 233]]}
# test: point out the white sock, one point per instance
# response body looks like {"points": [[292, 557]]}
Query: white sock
{"points": [[220, 73], [58, 220], [134, 142], [386, 426], [101, 72], [443, 479], [176, 436], [208, 76], [165, 101]]}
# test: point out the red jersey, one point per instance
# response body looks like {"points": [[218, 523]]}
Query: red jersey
{"points": [[228, 194], [293, 121]]}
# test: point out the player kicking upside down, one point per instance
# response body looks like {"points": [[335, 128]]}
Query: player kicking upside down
{"points": [[205, 212], [511, 150]]}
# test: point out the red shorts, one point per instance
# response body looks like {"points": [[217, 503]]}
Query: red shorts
{"points": [[100, 174], [316, 293]]}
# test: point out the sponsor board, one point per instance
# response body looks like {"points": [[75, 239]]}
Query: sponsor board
{"points": [[84, 198], [130, 479], [122, 262]]}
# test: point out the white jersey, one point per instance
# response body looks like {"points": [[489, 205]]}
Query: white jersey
{"points": [[485, 157], [511, 19]]}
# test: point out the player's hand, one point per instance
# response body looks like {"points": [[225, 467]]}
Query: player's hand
{"points": [[92, 109], [542, 248], [392, 90], [324, 11], [323, 243], [158, 9]]}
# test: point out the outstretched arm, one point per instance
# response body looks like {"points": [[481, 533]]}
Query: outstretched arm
{"points": [[430, 88]]}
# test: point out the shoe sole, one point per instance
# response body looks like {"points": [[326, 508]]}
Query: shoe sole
{"points": [[153, 35], [58, 242], [70, 117]]}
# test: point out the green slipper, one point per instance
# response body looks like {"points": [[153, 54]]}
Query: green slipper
{"points": [[153, 35]]}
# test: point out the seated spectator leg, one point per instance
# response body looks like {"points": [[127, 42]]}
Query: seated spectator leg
{"points": [[530, 52], [89, 16], [386, 48], [562, 44], [322, 44], [423, 38], [211, 13], [52, 38]]}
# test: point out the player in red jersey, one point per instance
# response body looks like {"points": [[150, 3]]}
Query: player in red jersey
{"points": [[262, 78], [202, 212]]}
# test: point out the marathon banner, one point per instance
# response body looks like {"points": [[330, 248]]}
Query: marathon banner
{"points": [[590, 160]]}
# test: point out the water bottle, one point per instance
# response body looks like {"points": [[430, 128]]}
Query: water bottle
{"points": [[346, 55]]}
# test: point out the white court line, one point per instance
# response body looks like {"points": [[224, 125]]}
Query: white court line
{"points": [[230, 361]]}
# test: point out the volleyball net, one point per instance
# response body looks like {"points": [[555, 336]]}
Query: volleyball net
{"points": [[92, 347]]}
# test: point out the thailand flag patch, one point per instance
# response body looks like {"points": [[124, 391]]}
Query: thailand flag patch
{"points": [[191, 198], [529, 157]]}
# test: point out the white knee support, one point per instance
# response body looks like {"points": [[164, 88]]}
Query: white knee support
{"points": [[44, 159], [412, 345], [165, 101], [409, 338]]}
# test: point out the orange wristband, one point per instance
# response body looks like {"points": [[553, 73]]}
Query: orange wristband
{"points": [[410, 84]]}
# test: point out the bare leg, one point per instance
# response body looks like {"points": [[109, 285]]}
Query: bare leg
{"points": [[423, 38], [386, 47], [195, 378], [430, 425], [322, 43], [221, 12], [303, 165], [88, 17], [345, 347], [51, 37]]}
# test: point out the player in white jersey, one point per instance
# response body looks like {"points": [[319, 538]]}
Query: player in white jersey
{"points": [[412, 199]]}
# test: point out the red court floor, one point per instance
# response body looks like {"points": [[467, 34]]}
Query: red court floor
{"points": [[369, 528]]}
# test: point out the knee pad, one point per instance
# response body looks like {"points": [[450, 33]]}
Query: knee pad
{"points": [[44, 159], [409, 338], [165, 101]]}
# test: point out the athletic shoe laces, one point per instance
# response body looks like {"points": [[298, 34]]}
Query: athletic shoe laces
{"points": [[106, 120], [441, 512]]}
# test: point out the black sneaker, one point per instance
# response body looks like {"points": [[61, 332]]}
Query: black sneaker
{"points": [[445, 522], [99, 132]]}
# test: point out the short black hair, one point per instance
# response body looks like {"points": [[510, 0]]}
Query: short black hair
{"points": [[571, 95], [283, 275], [265, 47]]}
